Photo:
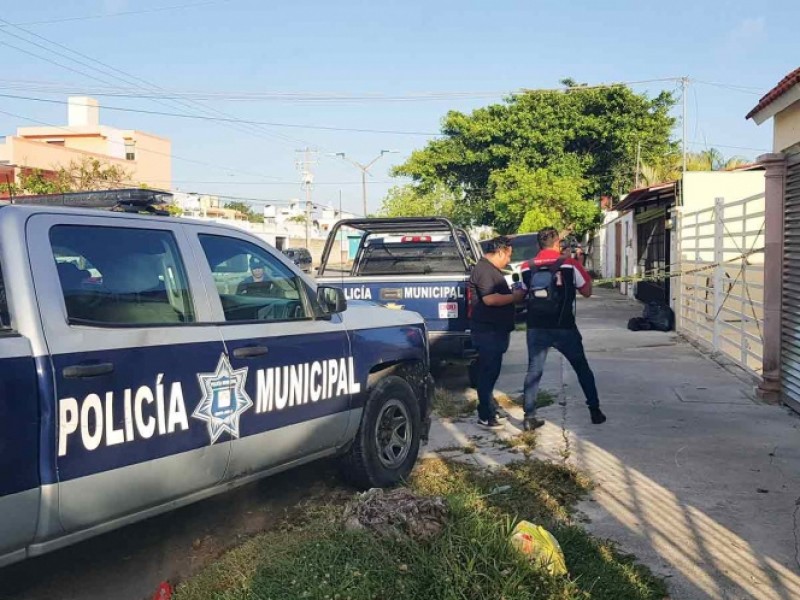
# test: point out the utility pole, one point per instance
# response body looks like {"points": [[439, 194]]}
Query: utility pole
{"points": [[364, 171], [684, 90], [638, 164], [307, 182]]}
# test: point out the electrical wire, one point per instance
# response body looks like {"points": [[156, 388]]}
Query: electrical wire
{"points": [[228, 120], [145, 150], [125, 77], [146, 11]]}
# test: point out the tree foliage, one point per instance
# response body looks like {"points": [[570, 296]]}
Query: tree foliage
{"points": [[246, 210], [420, 201], [546, 154], [670, 166], [80, 175]]}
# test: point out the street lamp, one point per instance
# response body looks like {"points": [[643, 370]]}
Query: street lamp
{"points": [[364, 171]]}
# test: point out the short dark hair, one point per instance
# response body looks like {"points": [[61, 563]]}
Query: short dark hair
{"points": [[547, 237], [498, 244]]}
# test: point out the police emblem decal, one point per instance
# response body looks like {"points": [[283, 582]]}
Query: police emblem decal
{"points": [[224, 399]]}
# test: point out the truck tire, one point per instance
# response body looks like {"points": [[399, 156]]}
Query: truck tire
{"points": [[387, 443]]}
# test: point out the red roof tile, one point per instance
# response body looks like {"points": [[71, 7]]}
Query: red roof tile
{"points": [[779, 90]]}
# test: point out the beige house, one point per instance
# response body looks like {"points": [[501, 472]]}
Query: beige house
{"points": [[145, 156], [782, 289]]}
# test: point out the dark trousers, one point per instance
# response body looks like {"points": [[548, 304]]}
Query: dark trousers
{"points": [[491, 345], [570, 343]]}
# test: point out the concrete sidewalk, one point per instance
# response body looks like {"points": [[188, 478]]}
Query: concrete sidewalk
{"points": [[696, 478]]}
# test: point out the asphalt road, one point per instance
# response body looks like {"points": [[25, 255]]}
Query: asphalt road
{"points": [[130, 563]]}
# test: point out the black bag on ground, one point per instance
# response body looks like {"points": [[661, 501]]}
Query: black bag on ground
{"points": [[659, 316], [639, 324]]}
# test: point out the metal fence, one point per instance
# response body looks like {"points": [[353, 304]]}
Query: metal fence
{"points": [[720, 292]]}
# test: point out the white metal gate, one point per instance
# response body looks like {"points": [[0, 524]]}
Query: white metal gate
{"points": [[720, 297], [790, 325]]}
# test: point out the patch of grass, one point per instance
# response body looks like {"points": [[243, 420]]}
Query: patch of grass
{"points": [[543, 398], [526, 438], [471, 558], [450, 405]]}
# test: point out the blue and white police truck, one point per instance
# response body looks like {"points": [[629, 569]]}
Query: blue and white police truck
{"points": [[147, 362], [419, 264]]}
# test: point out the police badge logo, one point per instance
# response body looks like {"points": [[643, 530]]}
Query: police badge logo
{"points": [[224, 399]]}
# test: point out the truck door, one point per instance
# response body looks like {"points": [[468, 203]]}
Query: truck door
{"points": [[294, 372], [19, 438], [127, 324]]}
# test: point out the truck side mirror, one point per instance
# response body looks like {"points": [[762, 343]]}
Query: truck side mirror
{"points": [[331, 299]]}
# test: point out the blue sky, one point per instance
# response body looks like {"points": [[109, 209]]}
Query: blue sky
{"points": [[392, 48]]}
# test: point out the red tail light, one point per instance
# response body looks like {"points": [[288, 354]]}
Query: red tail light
{"points": [[469, 301], [415, 238]]}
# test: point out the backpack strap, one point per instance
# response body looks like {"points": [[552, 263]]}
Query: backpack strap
{"points": [[556, 266]]}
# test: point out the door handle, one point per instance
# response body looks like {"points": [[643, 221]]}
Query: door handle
{"points": [[250, 351], [92, 370]]}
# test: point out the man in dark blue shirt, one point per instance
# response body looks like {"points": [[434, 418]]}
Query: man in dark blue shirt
{"points": [[491, 323]]}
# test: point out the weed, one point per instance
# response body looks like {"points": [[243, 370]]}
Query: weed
{"points": [[450, 405], [471, 558]]}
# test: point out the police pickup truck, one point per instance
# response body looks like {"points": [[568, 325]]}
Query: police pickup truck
{"points": [[148, 362], [416, 264]]}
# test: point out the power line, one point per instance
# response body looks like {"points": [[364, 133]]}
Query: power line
{"points": [[732, 87], [122, 13], [127, 78], [146, 150], [713, 145], [230, 120]]}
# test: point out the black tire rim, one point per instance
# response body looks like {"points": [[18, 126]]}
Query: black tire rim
{"points": [[393, 435]]}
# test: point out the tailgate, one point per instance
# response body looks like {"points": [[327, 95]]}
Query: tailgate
{"points": [[441, 300]]}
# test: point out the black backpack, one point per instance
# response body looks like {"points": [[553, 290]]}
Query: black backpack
{"points": [[547, 291]]}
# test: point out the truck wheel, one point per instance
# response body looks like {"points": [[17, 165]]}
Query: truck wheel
{"points": [[387, 442], [472, 371]]}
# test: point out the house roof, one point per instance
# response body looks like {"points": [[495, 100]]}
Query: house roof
{"points": [[660, 191], [779, 90]]}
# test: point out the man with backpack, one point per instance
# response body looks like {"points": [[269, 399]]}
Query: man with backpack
{"points": [[553, 278]]}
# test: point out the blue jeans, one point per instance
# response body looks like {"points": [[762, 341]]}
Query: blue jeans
{"points": [[570, 343], [491, 345]]}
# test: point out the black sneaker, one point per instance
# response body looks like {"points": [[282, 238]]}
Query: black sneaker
{"points": [[531, 423], [491, 423], [597, 416]]}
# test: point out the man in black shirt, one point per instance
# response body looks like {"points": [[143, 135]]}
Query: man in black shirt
{"points": [[491, 322]]}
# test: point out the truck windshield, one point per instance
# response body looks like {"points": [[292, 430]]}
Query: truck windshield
{"points": [[408, 258], [524, 247]]}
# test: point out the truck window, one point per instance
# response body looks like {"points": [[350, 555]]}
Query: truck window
{"points": [[252, 284], [121, 276], [408, 258], [5, 317]]}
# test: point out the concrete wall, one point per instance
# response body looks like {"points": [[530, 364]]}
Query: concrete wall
{"points": [[701, 188], [786, 129], [628, 246], [153, 164]]}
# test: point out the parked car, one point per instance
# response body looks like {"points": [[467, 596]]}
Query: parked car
{"points": [[137, 375], [419, 264], [301, 257]]}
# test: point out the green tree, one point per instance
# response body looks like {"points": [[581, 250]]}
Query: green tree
{"points": [[582, 139], [420, 201], [246, 210], [82, 175]]}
